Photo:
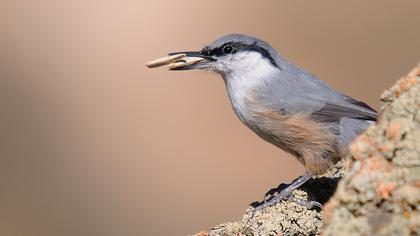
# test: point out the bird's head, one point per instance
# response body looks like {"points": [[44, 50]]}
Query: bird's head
{"points": [[234, 53]]}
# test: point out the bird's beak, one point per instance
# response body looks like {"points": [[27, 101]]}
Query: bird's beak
{"points": [[183, 61]]}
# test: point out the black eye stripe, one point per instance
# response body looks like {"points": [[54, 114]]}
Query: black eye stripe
{"points": [[240, 47], [264, 53]]}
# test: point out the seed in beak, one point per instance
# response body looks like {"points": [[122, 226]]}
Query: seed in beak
{"points": [[165, 60], [185, 61]]}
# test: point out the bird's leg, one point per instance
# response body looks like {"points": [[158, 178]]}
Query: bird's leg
{"points": [[274, 191], [285, 194]]}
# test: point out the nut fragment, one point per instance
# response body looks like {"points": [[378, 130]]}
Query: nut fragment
{"points": [[165, 60], [185, 61]]}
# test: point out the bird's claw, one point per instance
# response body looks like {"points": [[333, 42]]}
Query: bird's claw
{"points": [[273, 201], [284, 195], [307, 203]]}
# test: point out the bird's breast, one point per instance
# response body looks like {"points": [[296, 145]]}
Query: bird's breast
{"points": [[239, 95], [242, 87]]}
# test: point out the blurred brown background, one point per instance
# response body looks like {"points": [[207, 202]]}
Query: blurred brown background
{"points": [[94, 143]]}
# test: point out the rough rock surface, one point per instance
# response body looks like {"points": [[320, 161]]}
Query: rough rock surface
{"points": [[285, 218], [379, 193]]}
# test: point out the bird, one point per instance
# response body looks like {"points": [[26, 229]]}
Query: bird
{"points": [[283, 104]]}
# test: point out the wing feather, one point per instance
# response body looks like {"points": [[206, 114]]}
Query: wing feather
{"points": [[300, 92]]}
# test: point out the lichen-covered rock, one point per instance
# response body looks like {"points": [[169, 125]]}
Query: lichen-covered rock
{"points": [[286, 217], [380, 192]]}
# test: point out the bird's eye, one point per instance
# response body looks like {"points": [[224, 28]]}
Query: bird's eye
{"points": [[227, 49]]}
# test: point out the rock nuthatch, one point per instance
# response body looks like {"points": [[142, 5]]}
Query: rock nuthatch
{"points": [[282, 103]]}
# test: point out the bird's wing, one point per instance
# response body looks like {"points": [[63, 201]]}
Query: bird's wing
{"points": [[349, 108], [307, 94]]}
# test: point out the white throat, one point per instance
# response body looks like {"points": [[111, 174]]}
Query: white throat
{"points": [[247, 73]]}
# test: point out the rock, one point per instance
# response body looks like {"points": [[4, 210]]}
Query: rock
{"points": [[285, 218], [380, 191]]}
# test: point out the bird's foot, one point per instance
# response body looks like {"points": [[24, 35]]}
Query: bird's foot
{"points": [[286, 194], [283, 195], [308, 204]]}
